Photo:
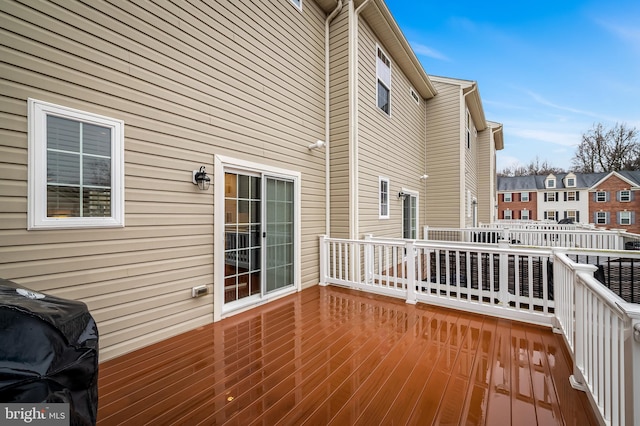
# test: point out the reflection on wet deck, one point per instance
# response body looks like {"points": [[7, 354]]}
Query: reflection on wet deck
{"points": [[336, 356]]}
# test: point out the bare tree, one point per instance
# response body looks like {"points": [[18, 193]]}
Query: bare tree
{"points": [[535, 167], [603, 150]]}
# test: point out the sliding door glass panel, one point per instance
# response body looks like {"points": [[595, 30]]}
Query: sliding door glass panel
{"points": [[243, 258], [280, 232]]}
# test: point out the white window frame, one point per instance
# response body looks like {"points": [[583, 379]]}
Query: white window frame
{"points": [[524, 197], [625, 218], [604, 196], [381, 200], [37, 218], [382, 77], [569, 195], [524, 214], [467, 125], [297, 4], [551, 213], [627, 198], [571, 182], [551, 183], [510, 197], [551, 195], [572, 214], [601, 218]]}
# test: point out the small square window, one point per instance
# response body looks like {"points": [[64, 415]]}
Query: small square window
{"points": [[76, 168], [508, 214], [571, 182], [383, 198], [601, 218], [524, 215], [625, 195], [601, 196], [550, 215], [571, 196], [415, 96], [524, 196], [551, 183], [507, 197], [572, 214], [551, 196]]}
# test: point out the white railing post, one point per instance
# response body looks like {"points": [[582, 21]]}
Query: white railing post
{"points": [[410, 273], [323, 260], [633, 409], [581, 330], [503, 279], [368, 258], [506, 234], [425, 233]]}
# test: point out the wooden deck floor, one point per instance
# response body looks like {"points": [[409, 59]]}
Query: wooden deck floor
{"points": [[336, 356]]}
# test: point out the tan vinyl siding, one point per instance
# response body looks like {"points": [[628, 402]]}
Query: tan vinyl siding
{"points": [[339, 131], [444, 157], [486, 176], [390, 146], [190, 80]]}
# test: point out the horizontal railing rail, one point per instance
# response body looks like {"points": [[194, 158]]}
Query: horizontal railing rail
{"points": [[536, 285], [556, 236]]}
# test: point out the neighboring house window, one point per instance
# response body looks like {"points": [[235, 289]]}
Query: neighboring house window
{"points": [[601, 196], [601, 218], [550, 196], [625, 195], [524, 214], [624, 218], [507, 197], [571, 195], [76, 168], [508, 214], [551, 183], [297, 3], [383, 74], [572, 214], [550, 215], [384, 198], [571, 182], [524, 197]]}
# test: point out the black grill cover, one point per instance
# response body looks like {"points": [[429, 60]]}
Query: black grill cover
{"points": [[48, 352]]}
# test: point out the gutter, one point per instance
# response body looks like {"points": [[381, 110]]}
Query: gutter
{"points": [[353, 118], [327, 112]]}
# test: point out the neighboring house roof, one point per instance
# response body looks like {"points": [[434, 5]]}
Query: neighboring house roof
{"points": [[631, 177], [536, 182], [470, 89]]}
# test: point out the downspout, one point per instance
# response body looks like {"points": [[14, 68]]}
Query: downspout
{"points": [[463, 171], [353, 118], [327, 107]]}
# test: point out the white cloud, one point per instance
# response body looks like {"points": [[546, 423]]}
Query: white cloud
{"points": [[554, 137], [421, 49], [543, 101]]}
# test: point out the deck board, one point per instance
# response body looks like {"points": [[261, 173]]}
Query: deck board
{"points": [[329, 355]]}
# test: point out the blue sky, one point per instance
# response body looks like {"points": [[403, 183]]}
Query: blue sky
{"points": [[547, 70]]}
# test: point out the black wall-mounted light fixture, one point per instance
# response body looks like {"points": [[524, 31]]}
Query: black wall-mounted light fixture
{"points": [[201, 179]]}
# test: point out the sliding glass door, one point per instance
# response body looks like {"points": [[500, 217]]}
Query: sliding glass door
{"points": [[259, 236]]}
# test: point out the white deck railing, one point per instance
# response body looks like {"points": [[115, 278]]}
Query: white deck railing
{"points": [[540, 286], [551, 236]]}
